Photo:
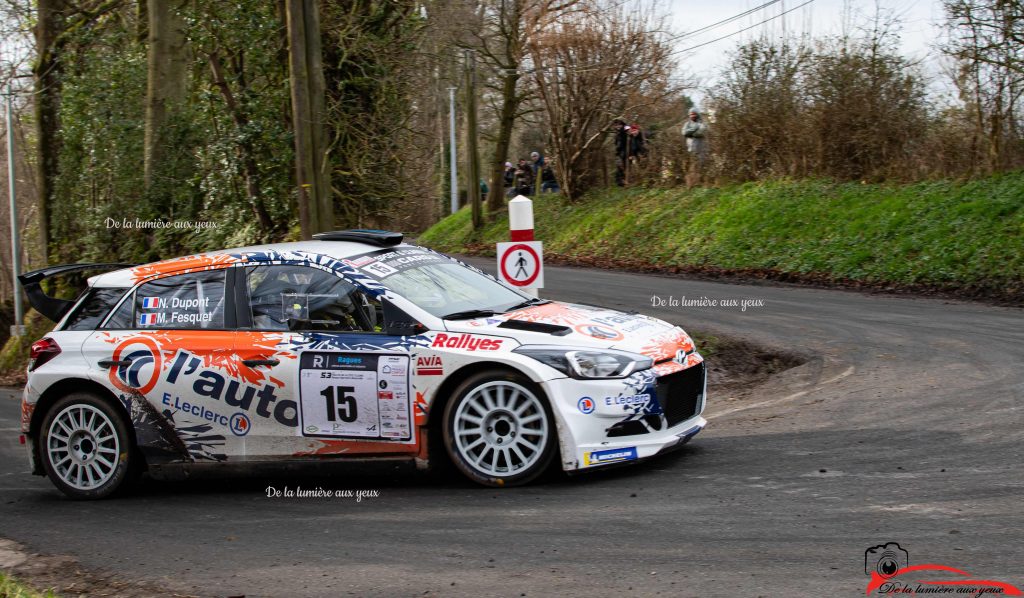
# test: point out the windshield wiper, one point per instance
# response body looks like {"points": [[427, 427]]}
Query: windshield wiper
{"points": [[469, 314], [528, 303]]}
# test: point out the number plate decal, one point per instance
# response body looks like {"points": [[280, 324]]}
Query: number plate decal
{"points": [[354, 395]]}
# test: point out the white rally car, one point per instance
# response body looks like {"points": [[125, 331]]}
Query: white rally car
{"points": [[352, 346]]}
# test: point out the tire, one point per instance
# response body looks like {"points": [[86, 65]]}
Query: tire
{"points": [[86, 448], [498, 429]]}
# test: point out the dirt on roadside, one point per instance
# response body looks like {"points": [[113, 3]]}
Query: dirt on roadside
{"points": [[64, 575], [736, 365]]}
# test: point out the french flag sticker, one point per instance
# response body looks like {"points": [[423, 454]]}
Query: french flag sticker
{"points": [[150, 302], [147, 319]]}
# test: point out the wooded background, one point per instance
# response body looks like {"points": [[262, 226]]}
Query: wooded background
{"points": [[274, 120]]}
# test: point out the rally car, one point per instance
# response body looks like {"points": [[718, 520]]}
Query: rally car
{"points": [[351, 346]]}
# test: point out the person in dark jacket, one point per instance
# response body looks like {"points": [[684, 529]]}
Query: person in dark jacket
{"points": [[637, 142], [524, 178], [621, 132], [548, 182]]}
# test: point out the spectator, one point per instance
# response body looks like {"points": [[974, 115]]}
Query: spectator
{"points": [[524, 178], [696, 132], [510, 177], [484, 189], [537, 164], [548, 182], [637, 142], [621, 150]]}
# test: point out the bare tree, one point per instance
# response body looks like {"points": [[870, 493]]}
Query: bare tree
{"points": [[502, 39], [986, 41], [591, 66]]}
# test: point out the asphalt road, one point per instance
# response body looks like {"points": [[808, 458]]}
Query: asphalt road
{"points": [[904, 426]]}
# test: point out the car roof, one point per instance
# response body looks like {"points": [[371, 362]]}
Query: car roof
{"points": [[128, 277]]}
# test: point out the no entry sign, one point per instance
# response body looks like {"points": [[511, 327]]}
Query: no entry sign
{"points": [[521, 264]]}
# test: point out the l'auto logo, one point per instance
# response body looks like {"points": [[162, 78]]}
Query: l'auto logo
{"points": [[142, 371]]}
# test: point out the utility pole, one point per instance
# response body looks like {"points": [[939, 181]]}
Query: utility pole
{"points": [[453, 151], [17, 329], [471, 135], [306, 79]]}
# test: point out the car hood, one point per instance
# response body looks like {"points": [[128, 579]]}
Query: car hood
{"points": [[573, 324]]}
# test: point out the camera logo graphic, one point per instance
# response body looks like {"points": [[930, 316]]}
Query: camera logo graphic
{"points": [[885, 559]]}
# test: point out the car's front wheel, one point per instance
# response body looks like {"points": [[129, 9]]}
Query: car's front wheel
{"points": [[85, 447], [499, 430]]}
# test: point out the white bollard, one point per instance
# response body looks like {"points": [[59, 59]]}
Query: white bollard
{"points": [[520, 224], [520, 218]]}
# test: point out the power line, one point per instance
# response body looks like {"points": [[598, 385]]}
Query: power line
{"points": [[687, 34], [781, 14]]}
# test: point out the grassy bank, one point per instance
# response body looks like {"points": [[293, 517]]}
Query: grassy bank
{"points": [[963, 237], [11, 588]]}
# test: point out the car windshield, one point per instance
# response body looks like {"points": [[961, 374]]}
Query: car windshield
{"points": [[438, 285]]}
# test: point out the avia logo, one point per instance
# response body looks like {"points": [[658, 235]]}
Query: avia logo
{"points": [[466, 342], [429, 365]]}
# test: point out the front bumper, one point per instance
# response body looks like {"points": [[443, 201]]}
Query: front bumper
{"points": [[602, 422]]}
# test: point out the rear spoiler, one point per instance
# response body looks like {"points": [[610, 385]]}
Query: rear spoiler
{"points": [[51, 307]]}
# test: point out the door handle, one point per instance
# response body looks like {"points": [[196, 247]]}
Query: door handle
{"points": [[109, 363], [257, 362]]}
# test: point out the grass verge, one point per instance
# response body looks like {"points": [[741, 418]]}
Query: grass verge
{"points": [[966, 238], [12, 588]]}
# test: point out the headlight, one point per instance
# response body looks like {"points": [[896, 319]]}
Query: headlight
{"points": [[587, 363]]}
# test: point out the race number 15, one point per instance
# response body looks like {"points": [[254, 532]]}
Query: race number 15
{"points": [[340, 403]]}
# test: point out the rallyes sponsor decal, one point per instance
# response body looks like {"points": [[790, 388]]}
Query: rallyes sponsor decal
{"points": [[609, 456], [586, 405], [429, 365], [466, 342], [184, 370]]}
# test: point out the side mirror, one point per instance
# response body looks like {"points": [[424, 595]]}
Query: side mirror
{"points": [[399, 323]]}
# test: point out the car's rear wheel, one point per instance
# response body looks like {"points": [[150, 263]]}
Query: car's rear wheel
{"points": [[85, 447], [499, 430]]}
